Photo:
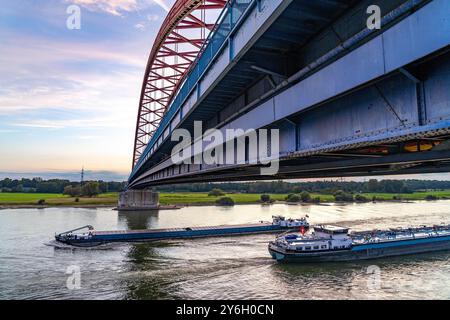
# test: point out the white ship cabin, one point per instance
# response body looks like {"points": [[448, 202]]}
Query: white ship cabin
{"points": [[323, 238], [290, 223], [331, 232]]}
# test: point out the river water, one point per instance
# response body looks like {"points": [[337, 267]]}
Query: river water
{"points": [[217, 268]]}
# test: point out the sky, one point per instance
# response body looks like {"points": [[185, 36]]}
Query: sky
{"points": [[68, 97]]}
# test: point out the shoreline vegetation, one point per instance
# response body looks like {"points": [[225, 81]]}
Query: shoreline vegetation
{"points": [[46, 200]]}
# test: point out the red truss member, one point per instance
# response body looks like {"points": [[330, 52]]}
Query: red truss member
{"points": [[177, 45]]}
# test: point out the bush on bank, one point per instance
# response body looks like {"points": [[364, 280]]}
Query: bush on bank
{"points": [[293, 198], [361, 198], [216, 193], [225, 202], [341, 196]]}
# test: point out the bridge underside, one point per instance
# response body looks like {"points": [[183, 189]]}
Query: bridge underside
{"points": [[350, 163], [379, 106]]}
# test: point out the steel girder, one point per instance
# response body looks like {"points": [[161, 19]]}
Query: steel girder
{"points": [[178, 43]]}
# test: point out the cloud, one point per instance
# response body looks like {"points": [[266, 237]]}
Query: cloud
{"points": [[70, 76], [153, 17], [140, 26], [117, 7], [15, 55], [162, 4], [107, 121], [114, 7], [35, 124]]}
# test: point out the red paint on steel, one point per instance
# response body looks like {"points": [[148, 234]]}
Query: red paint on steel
{"points": [[177, 44]]}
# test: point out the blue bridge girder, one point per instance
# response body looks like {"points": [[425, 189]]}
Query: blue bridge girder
{"points": [[347, 100]]}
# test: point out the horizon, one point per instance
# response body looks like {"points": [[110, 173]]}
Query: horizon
{"points": [[112, 176]]}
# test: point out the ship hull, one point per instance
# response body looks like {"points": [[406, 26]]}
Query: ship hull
{"points": [[171, 234], [364, 251]]}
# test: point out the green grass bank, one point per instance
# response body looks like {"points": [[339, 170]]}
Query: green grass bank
{"points": [[110, 199]]}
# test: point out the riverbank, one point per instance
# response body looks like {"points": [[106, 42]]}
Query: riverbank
{"points": [[194, 199], [46, 200], [33, 200]]}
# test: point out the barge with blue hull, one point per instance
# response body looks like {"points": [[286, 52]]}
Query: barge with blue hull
{"points": [[92, 238], [334, 243]]}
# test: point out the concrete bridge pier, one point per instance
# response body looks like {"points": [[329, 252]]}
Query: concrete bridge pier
{"points": [[138, 200]]}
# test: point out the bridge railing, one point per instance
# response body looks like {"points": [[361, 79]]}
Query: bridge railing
{"points": [[228, 19]]}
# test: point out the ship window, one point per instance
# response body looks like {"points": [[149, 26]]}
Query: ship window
{"points": [[307, 248], [323, 247], [316, 247], [299, 248]]}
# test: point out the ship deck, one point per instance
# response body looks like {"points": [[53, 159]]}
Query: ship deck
{"points": [[166, 230], [389, 237]]}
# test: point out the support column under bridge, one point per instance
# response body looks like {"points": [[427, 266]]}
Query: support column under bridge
{"points": [[138, 200]]}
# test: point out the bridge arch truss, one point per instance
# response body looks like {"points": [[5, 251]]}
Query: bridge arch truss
{"points": [[179, 43]]}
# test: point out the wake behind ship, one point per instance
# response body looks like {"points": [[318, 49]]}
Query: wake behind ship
{"points": [[334, 243]]}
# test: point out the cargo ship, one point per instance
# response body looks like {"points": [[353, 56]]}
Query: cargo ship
{"points": [[328, 243], [91, 238]]}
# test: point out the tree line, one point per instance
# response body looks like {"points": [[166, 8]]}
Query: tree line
{"points": [[325, 187], [38, 185]]}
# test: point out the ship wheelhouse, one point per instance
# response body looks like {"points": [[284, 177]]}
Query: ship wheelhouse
{"points": [[323, 238]]}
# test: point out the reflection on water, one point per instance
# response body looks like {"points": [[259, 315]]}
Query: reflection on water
{"points": [[137, 220], [217, 268]]}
